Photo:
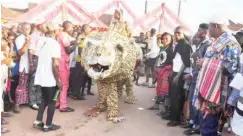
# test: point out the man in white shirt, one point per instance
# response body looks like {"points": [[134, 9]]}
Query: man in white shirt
{"points": [[22, 43], [47, 77], [151, 58], [37, 37]]}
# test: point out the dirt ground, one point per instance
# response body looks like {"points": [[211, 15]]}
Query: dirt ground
{"points": [[139, 121]]}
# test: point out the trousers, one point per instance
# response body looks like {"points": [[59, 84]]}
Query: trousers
{"points": [[34, 92], [77, 79], [64, 73], [177, 97], [209, 124], [48, 94], [86, 79]]}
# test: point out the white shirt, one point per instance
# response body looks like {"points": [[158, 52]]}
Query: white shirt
{"points": [[177, 63], [44, 74], [24, 60], [35, 41], [154, 52]]}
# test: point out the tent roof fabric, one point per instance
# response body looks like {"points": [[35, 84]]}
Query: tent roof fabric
{"points": [[9, 14], [235, 27], [58, 11]]}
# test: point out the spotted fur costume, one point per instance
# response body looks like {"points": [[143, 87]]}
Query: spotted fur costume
{"points": [[117, 53]]}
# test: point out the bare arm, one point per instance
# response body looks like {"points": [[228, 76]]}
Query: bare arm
{"points": [[55, 69], [30, 55], [23, 49]]}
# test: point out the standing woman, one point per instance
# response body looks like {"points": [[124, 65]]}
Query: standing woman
{"points": [[163, 68]]}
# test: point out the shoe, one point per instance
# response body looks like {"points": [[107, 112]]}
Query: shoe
{"points": [[151, 86], [34, 107], [67, 109], [166, 116], [3, 122], [16, 108], [186, 125], [53, 127], [4, 130], [38, 125], [173, 124], [160, 113], [72, 97], [192, 131], [153, 107], [145, 84], [6, 114], [81, 98], [90, 93]]}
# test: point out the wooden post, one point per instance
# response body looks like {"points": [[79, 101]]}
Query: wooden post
{"points": [[146, 6], [179, 9], [64, 10]]}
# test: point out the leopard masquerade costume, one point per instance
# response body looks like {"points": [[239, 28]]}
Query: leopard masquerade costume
{"points": [[109, 58]]}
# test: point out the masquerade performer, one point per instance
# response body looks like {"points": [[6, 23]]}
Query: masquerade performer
{"points": [[109, 58]]}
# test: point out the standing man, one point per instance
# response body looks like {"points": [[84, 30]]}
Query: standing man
{"points": [[86, 79], [151, 59], [202, 42], [34, 91], [78, 82], [142, 42], [220, 63], [181, 66], [47, 77], [22, 43], [68, 45]]}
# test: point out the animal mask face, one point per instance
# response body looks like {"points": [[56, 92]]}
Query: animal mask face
{"points": [[102, 55]]}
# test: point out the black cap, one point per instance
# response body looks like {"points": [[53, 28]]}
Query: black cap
{"points": [[204, 26], [153, 31]]}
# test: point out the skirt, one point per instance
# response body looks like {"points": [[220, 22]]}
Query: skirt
{"points": [[22, 91], [162, 76]]}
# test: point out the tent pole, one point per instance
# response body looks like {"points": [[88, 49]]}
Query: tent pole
{"points": [[64, 10]]}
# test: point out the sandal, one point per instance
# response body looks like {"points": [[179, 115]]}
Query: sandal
{"points": [[153, 108], [68, 109], [3, 122], [144, 84], [151, 86], [16, 109], [73, 97], [6, 114], [4, 130]]}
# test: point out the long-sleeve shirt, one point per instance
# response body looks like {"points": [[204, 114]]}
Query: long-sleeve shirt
{"points": [[199, 53], [227, 49], [182, 56], [154, 52]]}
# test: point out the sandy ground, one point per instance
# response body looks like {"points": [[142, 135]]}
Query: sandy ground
{"points": [[139, 121]]}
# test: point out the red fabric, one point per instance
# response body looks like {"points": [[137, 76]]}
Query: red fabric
{"points": [[22, 91], [162, 80], [209, 80], [8, 85]]}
